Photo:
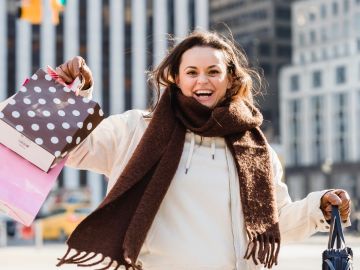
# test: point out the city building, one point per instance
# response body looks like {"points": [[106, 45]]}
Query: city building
{"points": [[120, 40], [320, 98], [263, 30]]}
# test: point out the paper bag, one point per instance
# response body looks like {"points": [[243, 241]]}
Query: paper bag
{"points": [[23, 186], [45, 120]]}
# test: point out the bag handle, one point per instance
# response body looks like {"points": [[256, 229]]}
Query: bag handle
{"points": [[336, 232]]}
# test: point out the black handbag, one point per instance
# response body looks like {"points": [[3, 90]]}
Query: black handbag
{"points": [[341, 256]]}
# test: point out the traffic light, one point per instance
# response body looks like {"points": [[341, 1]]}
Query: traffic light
{"points": [[32, 10]]}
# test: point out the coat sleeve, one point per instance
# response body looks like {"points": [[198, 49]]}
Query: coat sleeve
{"points": [[106, 144], [297, 219]]}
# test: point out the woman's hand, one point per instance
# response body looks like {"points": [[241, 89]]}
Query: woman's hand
{"points": [[337, 197], [71, 69]]}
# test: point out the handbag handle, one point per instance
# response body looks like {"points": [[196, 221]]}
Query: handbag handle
{"points": [[336, 232]]}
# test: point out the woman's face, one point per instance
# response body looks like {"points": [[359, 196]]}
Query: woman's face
{"points": [[203, 75]]}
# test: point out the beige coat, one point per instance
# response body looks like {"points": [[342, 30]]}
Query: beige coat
{"points": [[200, 222]]}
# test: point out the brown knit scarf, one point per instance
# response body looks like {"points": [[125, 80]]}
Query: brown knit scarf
{"points": [[117, 229]]}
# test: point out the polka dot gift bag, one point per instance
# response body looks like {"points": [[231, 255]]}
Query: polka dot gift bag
{"points": [[45, 120]]}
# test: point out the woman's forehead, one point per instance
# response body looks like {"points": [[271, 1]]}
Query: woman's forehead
{"points": [[203, 56]]}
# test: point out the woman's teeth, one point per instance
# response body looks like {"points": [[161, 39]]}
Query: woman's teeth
{"points": [[203, 93]]}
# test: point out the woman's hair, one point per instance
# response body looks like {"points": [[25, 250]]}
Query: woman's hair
{"points": [[244, 78]]}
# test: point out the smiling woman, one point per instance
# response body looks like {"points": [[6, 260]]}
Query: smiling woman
{"points": [[195, 185]]}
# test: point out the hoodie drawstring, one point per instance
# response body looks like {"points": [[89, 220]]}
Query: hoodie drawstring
{"points": [[213, 147], [191, 151]]}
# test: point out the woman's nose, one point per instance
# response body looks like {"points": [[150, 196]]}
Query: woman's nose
{"points": [[202, 78]]}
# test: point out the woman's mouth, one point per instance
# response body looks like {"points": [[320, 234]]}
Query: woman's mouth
{"points": [[203, 95]]}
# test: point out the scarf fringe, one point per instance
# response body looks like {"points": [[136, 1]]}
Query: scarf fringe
{"points": [[263, 249], [87, 260]]}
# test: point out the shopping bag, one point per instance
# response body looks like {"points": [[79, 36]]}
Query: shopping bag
{"points": [[337, 257], [23, 186], [45, 120]]}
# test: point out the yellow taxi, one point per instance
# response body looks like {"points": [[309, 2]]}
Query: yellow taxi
{"points": [[59, 223]]}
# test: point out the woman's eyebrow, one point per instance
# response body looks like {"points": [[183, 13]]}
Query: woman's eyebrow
{"points": [[212, 66]]}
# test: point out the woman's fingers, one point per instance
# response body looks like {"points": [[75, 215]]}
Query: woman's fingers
{"points": [[73, 68], [337, 197]]}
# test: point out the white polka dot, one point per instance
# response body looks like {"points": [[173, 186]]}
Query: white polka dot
{"points": [[69, 139], [19, 128], [78, 139], [27, 101], [57, 154], [46, 113], [75, 112], [37, 89], [1, 115], [42, 101], [61, 113], [86, 100], [23, 89], [65, 125], [71, 101], [34, 77], [79, 124], [39, 141], [50, 126], [66, 89], [31, 113], [56, 101], [12, 101], [35, 127], [54, 140], [90, 110], [101, 113], [89, 126], [15, 114], [52, 89], [48, 77]]}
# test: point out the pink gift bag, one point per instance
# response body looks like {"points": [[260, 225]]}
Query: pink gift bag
{"points": [[23, 186]]}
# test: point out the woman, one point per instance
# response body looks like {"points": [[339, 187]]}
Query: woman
{"points": [[196, 185]]}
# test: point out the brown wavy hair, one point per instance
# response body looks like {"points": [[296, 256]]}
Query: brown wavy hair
{"points": [[244, 79]]}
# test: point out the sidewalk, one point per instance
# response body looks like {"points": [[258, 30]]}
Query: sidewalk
{"points": [[300, 256]]}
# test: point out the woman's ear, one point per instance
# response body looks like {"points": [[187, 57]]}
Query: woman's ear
{"points": [[177, 79], [230, 82]]}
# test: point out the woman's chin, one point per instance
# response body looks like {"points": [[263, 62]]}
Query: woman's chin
{"points": [[208, 102]]}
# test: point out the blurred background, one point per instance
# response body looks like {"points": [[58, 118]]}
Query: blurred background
{"points": [[308, 52]]}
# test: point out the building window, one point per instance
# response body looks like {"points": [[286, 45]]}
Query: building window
{"points": [[316, 79], [346, 6], [301, 39], [323, 11], [312, 36], [335, 8], [340, 127], [323, 34], [294, 82], [312, 16], [283, 50], [340, 75], [265, 49], [357, 22], [294, 131], [324, 54], [317, 131], [283, 13], [283, 32]]}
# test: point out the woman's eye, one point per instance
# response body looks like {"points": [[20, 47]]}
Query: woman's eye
{"points": [[213, 72], [191, 72]]}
